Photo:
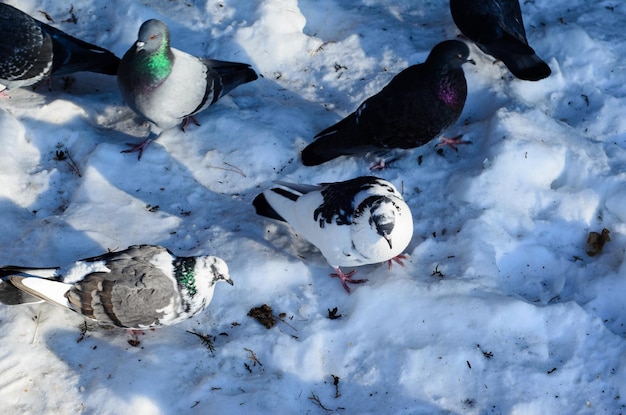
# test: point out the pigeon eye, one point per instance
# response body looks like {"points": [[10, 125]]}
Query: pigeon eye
{"points": [[152, 37]]}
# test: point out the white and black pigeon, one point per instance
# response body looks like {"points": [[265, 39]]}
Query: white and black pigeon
{"points": [[498, 30], [31, 51], [166, 86], [143, 286], [355, 222], [416, 106]]}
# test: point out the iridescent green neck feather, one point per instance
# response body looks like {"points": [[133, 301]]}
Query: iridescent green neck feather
{"points": [[160, 63], [184, 274], [151, 68]]}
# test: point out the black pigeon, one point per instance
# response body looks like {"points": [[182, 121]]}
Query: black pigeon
{"points": [[31, 50], [498, 30], [417, 105]]}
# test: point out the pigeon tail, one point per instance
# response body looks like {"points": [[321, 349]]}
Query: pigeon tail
{"points": [[333, 145], [263, 208], [231, 74], [48, 290], [74, 55], [518, 57], [85, 60], [11, 295], [527, 67], [319, 152], [49, 273]]}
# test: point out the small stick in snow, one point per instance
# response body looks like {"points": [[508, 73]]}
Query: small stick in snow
{"points": [[232, 168], [37, 319], [316, 400]]}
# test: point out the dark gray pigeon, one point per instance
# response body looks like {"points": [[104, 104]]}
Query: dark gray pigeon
{"points": [[31, 50], [143, 286], [498, 30], [416, 106], [355, 222], [167, 86]]}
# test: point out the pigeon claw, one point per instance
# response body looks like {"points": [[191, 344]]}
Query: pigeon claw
{"points": [[380, 165], [452, 142], [346, 278], [384, 163], [188, 119], [138, 147], [398, 260]]}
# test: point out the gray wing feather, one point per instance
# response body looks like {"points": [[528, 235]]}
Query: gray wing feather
{"points": [[130, 295]]}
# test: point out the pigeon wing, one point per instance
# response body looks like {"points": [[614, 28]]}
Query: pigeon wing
{"points": [[134, 294], [75, 55], [338, 204], [25, 50]]}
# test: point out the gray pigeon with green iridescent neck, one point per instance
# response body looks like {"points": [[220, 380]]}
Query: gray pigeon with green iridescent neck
{"points": [[143, 286], [167, 86]]}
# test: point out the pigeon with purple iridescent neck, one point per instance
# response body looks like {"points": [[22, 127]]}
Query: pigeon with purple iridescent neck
{"points": [[498, 30], [417, 105]]}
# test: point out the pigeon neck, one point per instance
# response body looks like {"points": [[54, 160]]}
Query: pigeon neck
{"points": [[184, 272], [158, 65], [161, 62], [449, 90]]}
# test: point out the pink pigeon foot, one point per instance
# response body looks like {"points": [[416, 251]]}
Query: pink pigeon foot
{"points": [[398, 260], [187, 120], [452, 142], [345, 278], [380, 165], [139, 147], [384, 162]]}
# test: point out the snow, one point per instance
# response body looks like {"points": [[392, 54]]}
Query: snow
{"points": [[499, 310]]}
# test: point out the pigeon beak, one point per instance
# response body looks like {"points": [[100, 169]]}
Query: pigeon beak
{"points": [[229, 281], [139, 44], [470, 61], [388, 239]]}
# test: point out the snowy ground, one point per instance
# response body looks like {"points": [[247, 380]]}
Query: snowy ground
{"points": [[499, 311]]}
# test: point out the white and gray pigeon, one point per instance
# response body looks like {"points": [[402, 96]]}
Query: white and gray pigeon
{"points": [[355, 222], [166, 86], [143, 286], [31, 51]]}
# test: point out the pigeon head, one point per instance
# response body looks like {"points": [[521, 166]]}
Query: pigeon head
{"points": [[153, 36], [382, 227], [450, 53], [214, 268], [383, 218], [195, 274], [150, 61], [377, 214], [196, 278]]}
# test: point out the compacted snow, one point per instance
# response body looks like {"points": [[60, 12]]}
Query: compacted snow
{"points": [[500, 309]]}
